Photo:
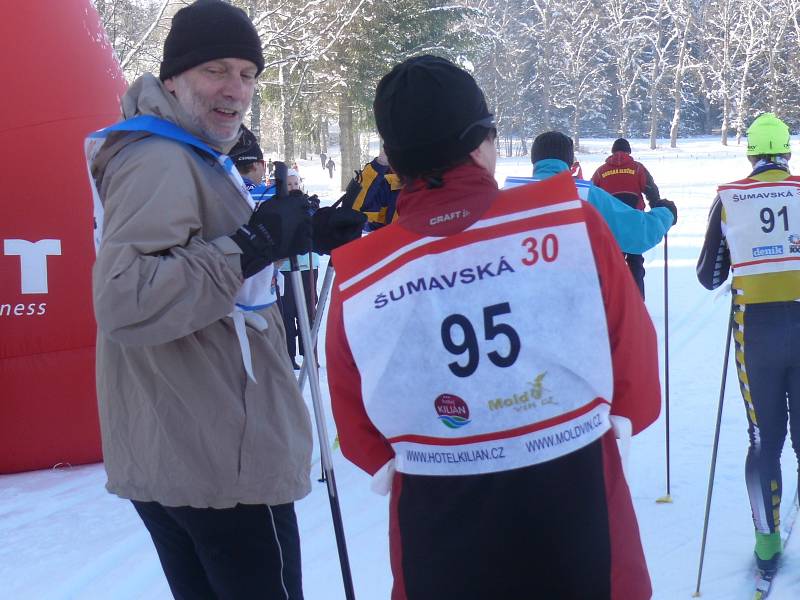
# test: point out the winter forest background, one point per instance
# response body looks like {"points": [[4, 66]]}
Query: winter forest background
{"points": [[639, 68]]}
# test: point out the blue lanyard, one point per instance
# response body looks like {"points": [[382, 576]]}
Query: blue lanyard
{"points": [[169, 130]]}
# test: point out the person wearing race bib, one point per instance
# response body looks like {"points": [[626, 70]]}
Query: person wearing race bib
{"points": [[203, 425], [636, 231], [631, 182], [512, 337], [754, 231]]}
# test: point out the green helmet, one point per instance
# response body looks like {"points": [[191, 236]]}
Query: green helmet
{"points": [[768, 136]]}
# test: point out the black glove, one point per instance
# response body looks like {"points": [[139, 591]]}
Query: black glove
{"points": [[664, 203], [313, 203], [334, 227], [281, 227], [352, 191]]}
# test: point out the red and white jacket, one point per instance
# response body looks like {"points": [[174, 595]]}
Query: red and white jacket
{"points": [[485, 331]]}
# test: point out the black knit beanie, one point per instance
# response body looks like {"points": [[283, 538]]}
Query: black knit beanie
{"points": [[553, 144], [430, 114], [621, 145], [246, 151], [207, 30]]}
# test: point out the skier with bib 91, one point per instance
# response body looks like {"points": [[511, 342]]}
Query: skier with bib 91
{"points": [[753, 230], [513, 337]]}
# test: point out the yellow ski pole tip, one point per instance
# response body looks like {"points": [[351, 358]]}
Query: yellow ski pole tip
{"points": [[696, 594], [664, 499]]}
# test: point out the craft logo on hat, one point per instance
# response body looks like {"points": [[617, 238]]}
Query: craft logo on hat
{"points": [[246, 150]]}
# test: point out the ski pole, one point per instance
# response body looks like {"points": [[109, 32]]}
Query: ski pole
{"points": [[322, 429], [667, 499], [714, 451], [347, 200], [320, 312], [316, 400]]}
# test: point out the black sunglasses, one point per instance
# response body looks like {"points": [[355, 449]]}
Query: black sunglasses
{"points": [[485, 122]]}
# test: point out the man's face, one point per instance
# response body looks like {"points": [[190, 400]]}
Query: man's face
{"points": [[485, 155], [216, 95]]}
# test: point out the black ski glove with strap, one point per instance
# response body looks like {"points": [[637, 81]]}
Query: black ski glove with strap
{"points": [[334, 227], [281, 227], [664, 203]]}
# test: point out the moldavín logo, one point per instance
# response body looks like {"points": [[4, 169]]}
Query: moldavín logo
{"points": [[452, 410]]}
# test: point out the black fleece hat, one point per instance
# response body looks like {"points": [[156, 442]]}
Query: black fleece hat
{"points": [[621, 145], [430, 114], [553, 144], [246, 151], [207, 30]]}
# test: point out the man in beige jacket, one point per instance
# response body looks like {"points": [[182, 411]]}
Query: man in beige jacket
{"points": [[203, 426]]}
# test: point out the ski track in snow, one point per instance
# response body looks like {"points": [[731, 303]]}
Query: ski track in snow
{"points": [[63, 537]]}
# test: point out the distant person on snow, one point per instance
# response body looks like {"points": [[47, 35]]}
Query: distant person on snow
{"points": [[380, 187], [635, 230], [508, 338], [308, 273], [322, 158], [630, 181], [753, 230], [331, 166], [249, 160]]}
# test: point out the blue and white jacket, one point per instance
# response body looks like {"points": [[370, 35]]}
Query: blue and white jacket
{"points": [[636, 231]]}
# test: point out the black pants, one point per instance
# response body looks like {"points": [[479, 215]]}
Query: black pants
{"points": [[768, 341], [249, 551], [636, 266], [535, 532], [294, 343], [635, 261]]}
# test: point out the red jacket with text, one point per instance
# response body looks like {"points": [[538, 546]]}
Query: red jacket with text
{"points": [[626, 179], [479, 345]]}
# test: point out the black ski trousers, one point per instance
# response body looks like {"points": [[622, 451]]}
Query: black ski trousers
{"points": [[294, 342], [248, 551], [539, 532], [768, 362], [635, 261], [636, 266]]}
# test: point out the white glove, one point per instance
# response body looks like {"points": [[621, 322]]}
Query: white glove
{"points": [[382, 480], [623, 430]]}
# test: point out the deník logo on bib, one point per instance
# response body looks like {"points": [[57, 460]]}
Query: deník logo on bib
{"points": [[452, 410]]}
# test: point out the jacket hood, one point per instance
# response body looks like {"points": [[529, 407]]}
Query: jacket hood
{"points": [[620, 159], [542, 169], [148, 96]]}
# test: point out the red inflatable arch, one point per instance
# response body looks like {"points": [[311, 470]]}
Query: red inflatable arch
{"points": [[60, 81]]}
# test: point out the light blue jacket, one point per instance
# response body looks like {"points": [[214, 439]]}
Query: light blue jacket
{"points": [[636, 231]]}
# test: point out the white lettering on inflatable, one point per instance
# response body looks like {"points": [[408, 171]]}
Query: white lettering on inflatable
{"points": [[33, 262], [33, 275]]}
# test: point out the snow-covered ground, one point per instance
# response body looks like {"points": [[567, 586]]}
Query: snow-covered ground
{"points": [[63, 537]]}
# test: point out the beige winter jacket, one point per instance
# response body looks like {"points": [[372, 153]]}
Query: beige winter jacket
{"points": [[182, 424]]}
